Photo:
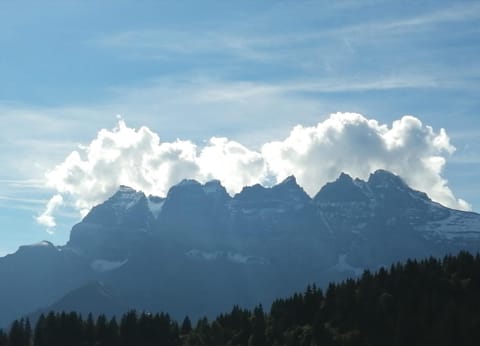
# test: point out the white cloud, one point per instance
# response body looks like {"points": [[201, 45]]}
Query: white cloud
{"points": [[139, 159], [232, 163], [345, 142], [351, 143], [46, 218]]}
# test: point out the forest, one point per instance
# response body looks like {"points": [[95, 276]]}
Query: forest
{"points": [[427, 302]]}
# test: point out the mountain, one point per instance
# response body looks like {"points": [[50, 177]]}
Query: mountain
{"points": [[161, 254], [38, 274], [93, 297], [382, 220], [427, 302]]}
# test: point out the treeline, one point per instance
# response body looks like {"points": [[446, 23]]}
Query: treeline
{"points": [[429, 302]]}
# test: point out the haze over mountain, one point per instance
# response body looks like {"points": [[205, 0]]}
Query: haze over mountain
{"points": [[161, 254]]}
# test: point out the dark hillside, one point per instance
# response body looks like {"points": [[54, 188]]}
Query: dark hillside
{"points": [[428, 302]]}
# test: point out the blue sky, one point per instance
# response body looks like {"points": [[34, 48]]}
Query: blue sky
{"points": [[249, 71]]}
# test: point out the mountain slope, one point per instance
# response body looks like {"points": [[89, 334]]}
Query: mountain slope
{"points": [[427, 302], [36, 276], [92, 297]]}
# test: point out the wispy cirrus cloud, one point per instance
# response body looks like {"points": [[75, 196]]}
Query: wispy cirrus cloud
{"points": [[23, 183], [32, 205], [23, 200], [458, 12], [248, 45], [23, 194], [165, 45], [247, 90]]}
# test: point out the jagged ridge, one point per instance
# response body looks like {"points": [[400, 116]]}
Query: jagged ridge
{"points": [[257, 245]]}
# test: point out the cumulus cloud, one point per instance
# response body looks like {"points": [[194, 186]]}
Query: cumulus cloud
{"points": [[351, 143], [137, 158], [232, 163], [345, 142], [46, 218]]}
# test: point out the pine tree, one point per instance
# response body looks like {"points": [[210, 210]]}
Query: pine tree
{"points": [[101, 330], [186, 326], [89, 331], [3, 338], [27, 333], [129, 329], [16, 336], [257, 337], [38, 334], [113, 333]]}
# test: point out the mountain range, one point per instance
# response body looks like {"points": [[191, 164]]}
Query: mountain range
{"points": [[161, 254]]}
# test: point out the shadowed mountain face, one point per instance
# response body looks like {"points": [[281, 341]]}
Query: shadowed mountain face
{"points": [[162, 254], [93, 297], [35, 275]]}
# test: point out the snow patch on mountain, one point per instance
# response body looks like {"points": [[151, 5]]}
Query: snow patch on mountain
{"points": [[41, 246], [457, 226], [43, 243], [225, 256], [126, 198], [101, 265], [343, 266], [155, 205]]}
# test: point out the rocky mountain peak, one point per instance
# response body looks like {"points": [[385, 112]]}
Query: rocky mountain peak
{"points": [[214, 187], [251, 193], [289, 181], [384, 179], [124, 202], [125, 189], [344, 189], [289, 190]]}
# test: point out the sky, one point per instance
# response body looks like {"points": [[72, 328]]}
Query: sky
{"points": [[94, 94]]}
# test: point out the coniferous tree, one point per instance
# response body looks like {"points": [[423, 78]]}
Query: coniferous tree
{"points": [[101, 330], [186, 325], [39, 332], [16, 337], [128, 329], [89, 331], [257, 337], [113, 337], [3, 338], [27, 333]]}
